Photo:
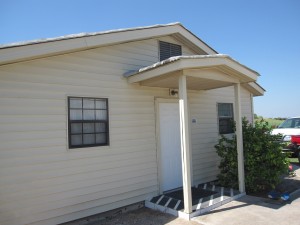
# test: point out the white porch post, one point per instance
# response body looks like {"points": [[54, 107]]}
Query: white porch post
{"points": [[185, 145], [239, 137]]}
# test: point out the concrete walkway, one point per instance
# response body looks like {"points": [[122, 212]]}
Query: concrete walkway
{"points": [[250, 210], [247, 210]]}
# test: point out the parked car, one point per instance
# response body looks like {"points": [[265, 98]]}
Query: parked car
{"points": [[290, 135]]}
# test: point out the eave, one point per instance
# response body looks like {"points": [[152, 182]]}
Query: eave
{"points": [[23, 51], [204, 72]]}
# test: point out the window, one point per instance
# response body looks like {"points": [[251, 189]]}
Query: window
{"points": [[225, 115], [290, 123], [88, 122], [167, 50]]}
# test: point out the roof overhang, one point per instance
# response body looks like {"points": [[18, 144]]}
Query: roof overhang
{"points": [[254, 88], [204, 72], [22, 51]]}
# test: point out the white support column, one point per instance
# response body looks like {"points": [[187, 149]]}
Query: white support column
{"points": [[185, 145], [239, 137], [252, 108]]}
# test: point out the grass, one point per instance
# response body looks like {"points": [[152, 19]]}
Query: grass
{"points": [[272, 122], [293, 160]]}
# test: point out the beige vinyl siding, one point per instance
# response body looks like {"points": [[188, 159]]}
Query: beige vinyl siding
{"points": [[203, 108], [42, 181], [246, 103]]}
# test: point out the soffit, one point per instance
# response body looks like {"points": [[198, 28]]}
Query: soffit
{"points": [[203, 72]]}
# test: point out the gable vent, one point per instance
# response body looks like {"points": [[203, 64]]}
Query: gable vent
{"points": [[167, 50]]}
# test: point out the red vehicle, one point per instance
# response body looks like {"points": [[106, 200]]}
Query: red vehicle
{"points": [[290, 132]]}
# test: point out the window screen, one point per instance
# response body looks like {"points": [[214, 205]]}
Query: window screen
{"points": [[88, 122]]}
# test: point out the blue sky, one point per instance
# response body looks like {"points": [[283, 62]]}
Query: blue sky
{"points": [[262, 34]]}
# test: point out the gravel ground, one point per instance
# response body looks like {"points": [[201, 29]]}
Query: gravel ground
{"points": [[150, 217], [291, 183], [144, 216]]}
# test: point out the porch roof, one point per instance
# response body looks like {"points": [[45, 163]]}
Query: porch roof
{"points": [[204, 72]]}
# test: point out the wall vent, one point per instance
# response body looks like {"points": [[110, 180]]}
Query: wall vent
{"points": [[167, 50]]}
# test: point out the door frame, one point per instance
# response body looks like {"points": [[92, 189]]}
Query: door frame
{"points": [[157, 136]]}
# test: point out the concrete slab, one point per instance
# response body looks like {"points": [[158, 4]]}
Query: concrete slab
{"points": [[249, 210], [297, 169]]}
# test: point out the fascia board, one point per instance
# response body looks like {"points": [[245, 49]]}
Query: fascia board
{"points": [[19, 53], [25, 52], [254, 88], [183, 64], [148, 74], [61, 46]]}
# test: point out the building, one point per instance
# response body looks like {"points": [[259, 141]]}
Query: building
{"points": [[93, 122]]}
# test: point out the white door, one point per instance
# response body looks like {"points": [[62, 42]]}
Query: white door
{"points": [[170, 147]]}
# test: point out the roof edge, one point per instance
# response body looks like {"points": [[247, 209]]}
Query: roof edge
{"points": [[23, 51], [176, 58], [255, 88], [85, 34]]}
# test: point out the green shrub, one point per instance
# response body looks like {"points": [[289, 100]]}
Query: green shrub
{"points": [[263, 158]]}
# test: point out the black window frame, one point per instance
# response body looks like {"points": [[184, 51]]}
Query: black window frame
{"points": [[225, 122], [167, 50], [90, 121]]}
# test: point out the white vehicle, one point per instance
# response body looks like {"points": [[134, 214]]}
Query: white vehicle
{"points": [[290, 132]]}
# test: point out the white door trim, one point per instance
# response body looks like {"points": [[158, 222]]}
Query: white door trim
{"points": [[157, 135], [157, 129]]}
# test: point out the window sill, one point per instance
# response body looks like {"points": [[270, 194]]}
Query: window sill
{"points": [[91, 148]]}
